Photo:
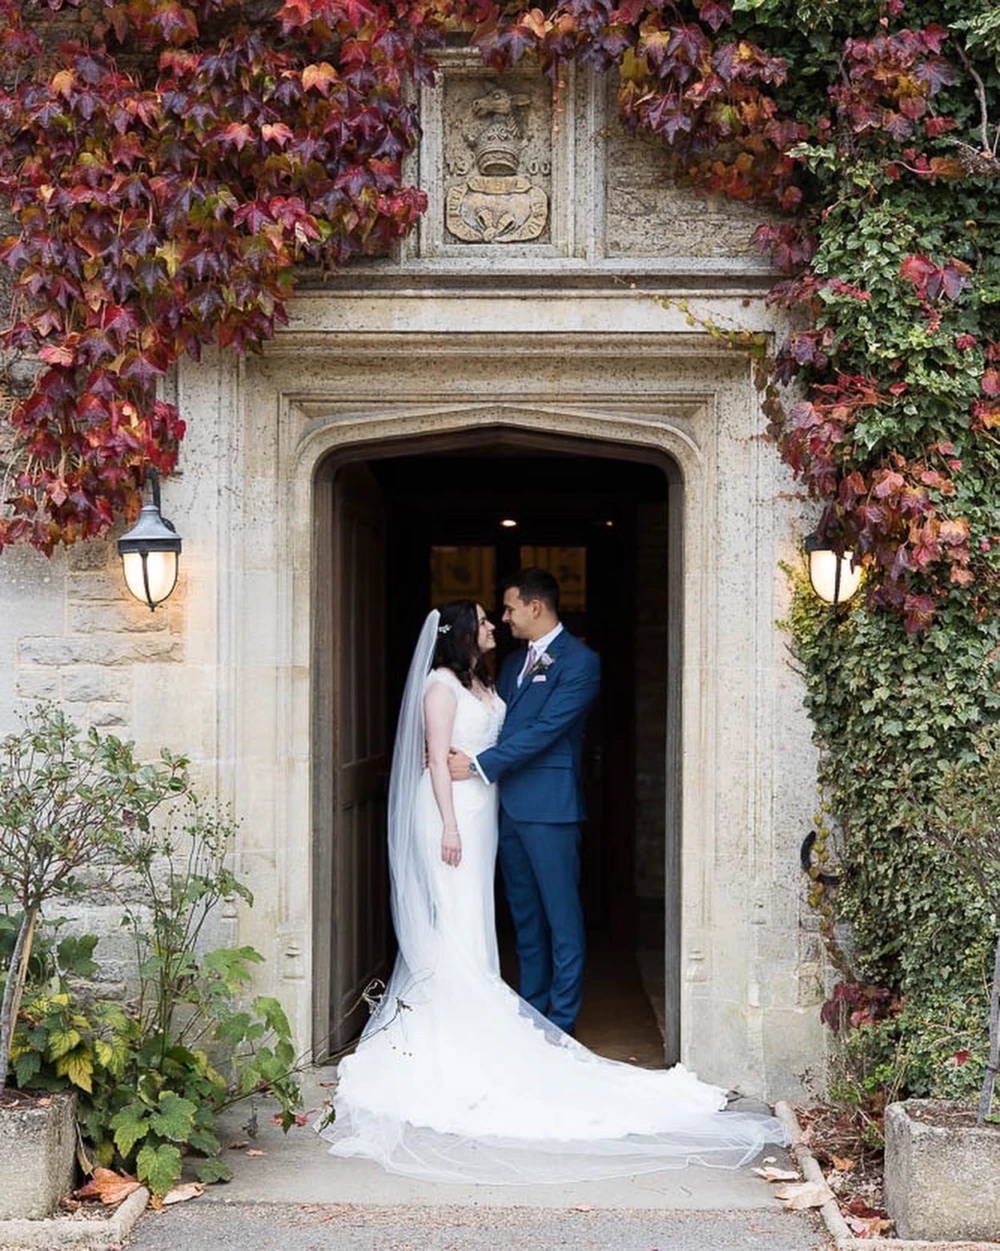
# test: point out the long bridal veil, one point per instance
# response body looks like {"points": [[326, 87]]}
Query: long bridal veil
{"points": [[411, 890], [458, 1079]]}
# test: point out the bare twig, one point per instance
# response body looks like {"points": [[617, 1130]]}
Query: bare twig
{"points": [[984, 116]]}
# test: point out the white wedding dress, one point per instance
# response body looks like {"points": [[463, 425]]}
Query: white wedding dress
{"points": [[458, 1079]]}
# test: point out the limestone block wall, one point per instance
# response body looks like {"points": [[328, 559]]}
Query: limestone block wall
{"points": [[71, 633], [647, 214]]}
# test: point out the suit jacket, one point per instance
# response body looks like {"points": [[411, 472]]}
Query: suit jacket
{"points": [[538, 759]]}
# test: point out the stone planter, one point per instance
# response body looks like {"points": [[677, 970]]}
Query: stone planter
{"points": [[942, 1171], [37, 1156]]}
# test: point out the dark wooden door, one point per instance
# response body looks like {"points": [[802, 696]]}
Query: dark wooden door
{"points": [[360, 750]]}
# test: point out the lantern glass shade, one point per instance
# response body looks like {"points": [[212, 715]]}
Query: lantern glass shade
{"points": [[835, 579], [150, 576], [150, 554]]}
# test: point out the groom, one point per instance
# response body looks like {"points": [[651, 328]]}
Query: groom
{"points": [[548, 688]]}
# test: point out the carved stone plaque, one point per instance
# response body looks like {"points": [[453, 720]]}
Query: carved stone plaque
{"points": [[498, 161]]}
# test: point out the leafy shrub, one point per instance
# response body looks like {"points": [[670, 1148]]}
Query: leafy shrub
{"points": [[188, 1022], [151, 1074], [66, 802]]}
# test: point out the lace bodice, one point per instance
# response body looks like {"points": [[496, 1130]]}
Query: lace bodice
{"points": [[477, 721]]}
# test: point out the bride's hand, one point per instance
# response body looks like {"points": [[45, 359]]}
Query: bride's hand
{"points": [[451, 847]]}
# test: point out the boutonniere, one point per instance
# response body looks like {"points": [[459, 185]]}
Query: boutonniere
{"points": [[544, 661]]}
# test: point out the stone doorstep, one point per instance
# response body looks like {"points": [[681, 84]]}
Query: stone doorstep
{"points": [[830, 1211], [66, 1231]]}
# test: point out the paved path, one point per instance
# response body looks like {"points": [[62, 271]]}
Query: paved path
{"points": [[347, 1227], [293, 1196]]}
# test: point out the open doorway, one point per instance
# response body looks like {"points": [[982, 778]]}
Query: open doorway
{"points": [[409, 527]]}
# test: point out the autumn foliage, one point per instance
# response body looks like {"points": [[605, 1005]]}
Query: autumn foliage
{"points": [[169, 164]]}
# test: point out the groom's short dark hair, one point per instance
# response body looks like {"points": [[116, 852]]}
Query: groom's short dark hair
{"points": [[534, 583]]}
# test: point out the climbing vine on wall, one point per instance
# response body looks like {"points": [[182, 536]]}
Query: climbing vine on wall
{"points": [[169, 163]]}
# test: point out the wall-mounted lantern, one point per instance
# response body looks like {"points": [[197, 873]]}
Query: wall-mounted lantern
{"points": [[835, 579], [150, 552]]}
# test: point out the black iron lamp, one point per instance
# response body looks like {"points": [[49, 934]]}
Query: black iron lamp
{"points": [[150, 552], [834, 578]]}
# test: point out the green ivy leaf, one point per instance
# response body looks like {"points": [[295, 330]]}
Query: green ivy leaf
{"points": [[63, 1041], [26, 1066], [203, 1140], [79, 1068], [159, 1167], [209, 1171], [174, 1116], [130, 1125]]}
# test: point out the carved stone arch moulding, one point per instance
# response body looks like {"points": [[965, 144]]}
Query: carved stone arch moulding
{"points": [[322, 431]]}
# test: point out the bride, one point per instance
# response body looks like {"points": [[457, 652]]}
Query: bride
{"points": [[456, 1078]]}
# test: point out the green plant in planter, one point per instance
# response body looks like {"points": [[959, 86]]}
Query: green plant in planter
{"points": [[964, 820], [151, 1074], [66, 801]]}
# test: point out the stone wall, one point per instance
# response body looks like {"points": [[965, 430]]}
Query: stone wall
{"points": [[87, 657], [647, 214]]}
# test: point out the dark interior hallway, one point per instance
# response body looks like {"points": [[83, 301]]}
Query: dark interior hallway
{"points": [[417, 530]]}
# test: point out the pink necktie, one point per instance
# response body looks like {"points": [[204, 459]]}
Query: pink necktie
{"points": [[528, 663]]}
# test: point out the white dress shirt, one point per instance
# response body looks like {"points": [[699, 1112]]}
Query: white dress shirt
{"points": [[541, 646]]}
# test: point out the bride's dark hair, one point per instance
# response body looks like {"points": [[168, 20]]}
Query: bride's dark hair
{"points": [[458, 643]]}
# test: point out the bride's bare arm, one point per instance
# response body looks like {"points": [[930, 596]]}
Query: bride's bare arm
{"points": [[439, 718]]}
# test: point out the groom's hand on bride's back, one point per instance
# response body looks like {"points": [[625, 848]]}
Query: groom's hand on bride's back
{"points": [[458, 765]]}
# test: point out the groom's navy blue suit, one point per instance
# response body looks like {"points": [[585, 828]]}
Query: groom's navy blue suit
{"points": [[537, 763]]}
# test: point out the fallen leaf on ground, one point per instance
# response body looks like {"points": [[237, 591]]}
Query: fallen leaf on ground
{"points": [[804, 1194], [778, 1174], [183, 1192], [255, 1151], [841, 1163], [333, 1083], [858, 1207], [108, 1186], [869, 1227], [238, 1144]]}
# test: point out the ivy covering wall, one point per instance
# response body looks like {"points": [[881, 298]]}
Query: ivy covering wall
{"points": [[169, 164]]}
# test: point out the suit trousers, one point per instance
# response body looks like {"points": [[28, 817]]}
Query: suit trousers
{"points": [[540, 864]]}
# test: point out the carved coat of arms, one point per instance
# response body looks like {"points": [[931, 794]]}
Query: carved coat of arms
{"points": [[497, 204]]}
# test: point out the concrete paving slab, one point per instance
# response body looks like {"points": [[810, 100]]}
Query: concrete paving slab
{"points": [[346, 1227], [297, 1168]]}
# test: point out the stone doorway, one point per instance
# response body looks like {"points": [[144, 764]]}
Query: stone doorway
{"points": [[423, 522]]}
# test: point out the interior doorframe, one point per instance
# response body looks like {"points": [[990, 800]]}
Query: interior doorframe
{"points": [[324, 691]]}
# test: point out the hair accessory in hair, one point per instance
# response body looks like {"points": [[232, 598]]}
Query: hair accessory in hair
{"points": [[445, 629]]}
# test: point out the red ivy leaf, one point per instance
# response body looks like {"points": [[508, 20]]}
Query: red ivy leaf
{"points": [[715, 13], [57, 354], [918, 613]]}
